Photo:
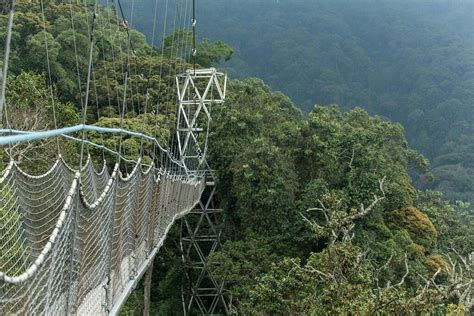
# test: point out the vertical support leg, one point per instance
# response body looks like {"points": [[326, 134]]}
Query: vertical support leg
{"points": [[200, 237], [147, 290]]}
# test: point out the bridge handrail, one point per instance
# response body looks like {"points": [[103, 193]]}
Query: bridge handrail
{"points": [[27, 136]]}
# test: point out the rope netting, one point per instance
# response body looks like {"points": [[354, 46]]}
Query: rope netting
{"points": [[72, 242]]}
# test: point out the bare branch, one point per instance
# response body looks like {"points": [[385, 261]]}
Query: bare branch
{"points": [[337, 225], [312, 223], [364, 211], [385, 265], [352, 158], [407, 271]]}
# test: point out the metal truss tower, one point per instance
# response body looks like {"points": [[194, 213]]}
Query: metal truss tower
{"points": [[198, 91], [200, 236]]}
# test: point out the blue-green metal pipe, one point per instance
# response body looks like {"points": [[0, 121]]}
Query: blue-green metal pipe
{"points": [[27, 136]]}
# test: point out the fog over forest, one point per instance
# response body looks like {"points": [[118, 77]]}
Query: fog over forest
{"points": [[409, 61]]}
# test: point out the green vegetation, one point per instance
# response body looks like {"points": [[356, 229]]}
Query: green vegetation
{"points": [[273, 165], [66, 31], [322, 212], [409, 60], [29, 107]]}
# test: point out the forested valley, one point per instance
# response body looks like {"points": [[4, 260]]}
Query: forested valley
{"points": [[409, 61], [329, 208]]}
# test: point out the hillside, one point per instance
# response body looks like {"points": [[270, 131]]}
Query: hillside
{"points": [[409, 61]]}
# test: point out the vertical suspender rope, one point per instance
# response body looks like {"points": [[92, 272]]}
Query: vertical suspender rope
{"points": [[119, 54], [184, 39], [163, 163], [98, 111], [71, 303], [171, 148], [155, 18], [50, 79], [188, 57], [5, 60], [96, 16], [71, 11], [147, 94], [124, 105], [194, 52], [180, 51], [126, 26], [127, 69], [88, 82], [188, 40], [127, 73]]}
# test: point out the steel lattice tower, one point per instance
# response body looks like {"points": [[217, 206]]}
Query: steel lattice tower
{"points": [[198, 91], [200, 236]]}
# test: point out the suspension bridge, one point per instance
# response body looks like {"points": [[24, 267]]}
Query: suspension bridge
{"points": [[77, 238]]}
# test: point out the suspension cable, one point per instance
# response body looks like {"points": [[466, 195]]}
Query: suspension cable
{"points": [[165, 20], [50, 80], [126, 79], [5, 60], [194, 52], [88, 82]]}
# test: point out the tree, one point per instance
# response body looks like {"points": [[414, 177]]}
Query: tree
{"points": [[209, 53], [30, 107], [341, 279]]}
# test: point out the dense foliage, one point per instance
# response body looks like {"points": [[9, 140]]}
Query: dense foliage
{"points": [[410, 61], [150, 102], [322, 212], [279, 257], [273, 165]]}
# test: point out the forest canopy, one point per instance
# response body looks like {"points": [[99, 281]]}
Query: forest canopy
{"points": [[323, 213], [409, 61]]}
